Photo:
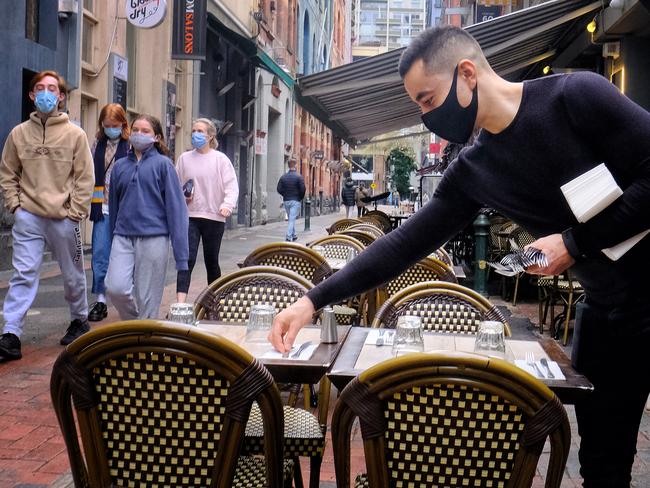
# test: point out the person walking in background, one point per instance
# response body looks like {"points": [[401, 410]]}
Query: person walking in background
{"points": [[111, 144], [396, 198], [46, 177], [146, 209], [347, 194], [360, 192], [211, 191], [292, 188]]}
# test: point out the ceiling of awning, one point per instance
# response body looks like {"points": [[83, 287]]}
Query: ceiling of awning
{"points": [[366, 98]]}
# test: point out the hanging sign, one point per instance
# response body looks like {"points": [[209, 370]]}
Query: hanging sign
{"points": [[146, 13], [190, 28], [260, 143]]}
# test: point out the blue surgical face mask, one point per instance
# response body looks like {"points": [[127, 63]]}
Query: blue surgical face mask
{"points": [[113, 132], [45, 101], [141, 142], [198, 140]]}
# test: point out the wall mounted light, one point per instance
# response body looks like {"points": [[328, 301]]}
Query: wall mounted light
{"points": [[591, 26]]}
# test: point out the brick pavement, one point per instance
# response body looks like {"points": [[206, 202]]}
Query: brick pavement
{"points": [[32, 452]]}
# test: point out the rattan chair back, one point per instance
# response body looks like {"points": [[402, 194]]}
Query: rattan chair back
{"points": [[365, 238], [452, 419], [229, 298], [427, 269], [442, 306], [338, 246], [160, 404], [369, 228], [441, 254], [520, 238], [292, 256], [379, 219], [342, 224]]}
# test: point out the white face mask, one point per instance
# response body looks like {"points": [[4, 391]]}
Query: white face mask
{"points": [[141, 142]]}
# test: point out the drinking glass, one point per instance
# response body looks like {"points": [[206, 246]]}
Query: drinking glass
{"points": [[182, 313], [260, 319], [320, 250], [351, 254], [490, 339], [408, 335]]}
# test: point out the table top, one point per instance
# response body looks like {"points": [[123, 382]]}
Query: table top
{"points": [[354, 358], [286, 370], [459, 271]]}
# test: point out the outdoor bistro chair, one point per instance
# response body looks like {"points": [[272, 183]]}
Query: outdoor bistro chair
{"points": [[441, 254], [450, 419], [290, 255], [229, 299], [366, 238], [338, 245], [519, 239], [369, 228], [342, 224], [378, 218], [442, 306], [161, 404], [560, 289]]}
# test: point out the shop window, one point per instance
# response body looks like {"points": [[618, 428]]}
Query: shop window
{"points": [[31, 20]]}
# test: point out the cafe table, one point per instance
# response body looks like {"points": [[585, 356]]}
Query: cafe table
{"points": [[309, 370], [357, 355]]}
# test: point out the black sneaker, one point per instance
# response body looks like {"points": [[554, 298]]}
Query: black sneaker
{"points": [[98, 311], [294, 238], [77, 328], [10, 347]]}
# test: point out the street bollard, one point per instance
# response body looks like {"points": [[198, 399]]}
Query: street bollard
{"points": [[320, 202], [307, 213], [481, 233]]}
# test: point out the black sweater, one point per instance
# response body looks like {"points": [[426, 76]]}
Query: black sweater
{"points": [[565, 126], [291, 186]]}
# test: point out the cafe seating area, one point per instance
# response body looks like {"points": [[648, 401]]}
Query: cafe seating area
{"points": [[428, 368]]}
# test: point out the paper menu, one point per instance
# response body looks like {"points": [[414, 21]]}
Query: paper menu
{"points": [[591, 193]]}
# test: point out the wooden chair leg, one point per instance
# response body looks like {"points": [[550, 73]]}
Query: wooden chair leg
{"points": [[314, 471], [306, 396], [565, 339], [514, 296]]}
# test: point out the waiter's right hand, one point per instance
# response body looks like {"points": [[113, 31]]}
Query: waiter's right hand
{"points": [[288, 323]]}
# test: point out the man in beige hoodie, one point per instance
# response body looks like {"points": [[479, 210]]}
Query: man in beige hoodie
{"points": [[46, 177]]}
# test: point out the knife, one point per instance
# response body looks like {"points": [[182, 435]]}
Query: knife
{"points": [[304, 346], [545, 364]]}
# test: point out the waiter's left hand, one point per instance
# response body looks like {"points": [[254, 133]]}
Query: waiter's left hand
{"points": [[557, 256]]}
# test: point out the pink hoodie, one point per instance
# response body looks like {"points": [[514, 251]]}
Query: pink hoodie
{"points": [[215, 183]]}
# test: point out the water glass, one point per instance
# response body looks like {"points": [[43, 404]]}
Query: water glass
{"points": [[182, 313], [351, 254], [260, 320], [490, 339], [408, 335]]}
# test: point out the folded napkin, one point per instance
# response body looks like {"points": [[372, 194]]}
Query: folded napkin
{"points": [[553, 366], [305, 354], [373, 335]]}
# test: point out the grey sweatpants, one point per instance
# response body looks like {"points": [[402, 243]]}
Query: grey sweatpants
{"points": [[136, 275], [30, 235]]}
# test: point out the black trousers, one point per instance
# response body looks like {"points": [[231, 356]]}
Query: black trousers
{"points": [[211, 232], [610, 348]]}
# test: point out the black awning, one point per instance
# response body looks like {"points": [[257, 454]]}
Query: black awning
{"points": [[367, 98]]}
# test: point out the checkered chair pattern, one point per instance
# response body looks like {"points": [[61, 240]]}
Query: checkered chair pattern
{"points": [[160, 404], [293, 256], [338, 246], [342, 224], [369, 228], [560, 289], [428, 269], [366, 238], [443, 307], [450, 420]]}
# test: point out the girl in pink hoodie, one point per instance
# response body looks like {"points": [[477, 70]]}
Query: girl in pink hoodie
{"points": [[211, 191]]}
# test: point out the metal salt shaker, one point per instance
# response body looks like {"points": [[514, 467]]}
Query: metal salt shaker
{"points": [[328, 333]]}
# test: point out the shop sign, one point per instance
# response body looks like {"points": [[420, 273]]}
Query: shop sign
{"points": [[190, 29], [146, 13], [260, 143]]}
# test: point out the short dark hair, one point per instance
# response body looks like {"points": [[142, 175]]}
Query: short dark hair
{"points": [[440, 48]]}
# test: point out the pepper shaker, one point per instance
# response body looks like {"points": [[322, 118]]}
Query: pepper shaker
{"points": [[328, 332]]}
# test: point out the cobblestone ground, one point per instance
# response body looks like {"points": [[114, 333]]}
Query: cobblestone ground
{"points": [[32, 453]]}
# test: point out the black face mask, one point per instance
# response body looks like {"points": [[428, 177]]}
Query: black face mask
{"points": [[451, 121]]}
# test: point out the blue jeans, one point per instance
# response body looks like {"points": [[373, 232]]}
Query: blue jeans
{"points": [[293, 209], [101, 253]]}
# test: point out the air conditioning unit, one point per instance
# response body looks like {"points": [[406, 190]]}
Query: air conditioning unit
{"points": [[68, 7], [611, 50]]}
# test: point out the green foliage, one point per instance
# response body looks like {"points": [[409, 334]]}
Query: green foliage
{"points": [[402, 158]]}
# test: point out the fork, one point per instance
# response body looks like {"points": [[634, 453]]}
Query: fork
{"points": [[380, 338], [530, 360]]}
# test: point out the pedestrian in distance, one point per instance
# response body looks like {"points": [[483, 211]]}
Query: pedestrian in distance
{"points": [[360, 193], [291, 187], [211, 192], [590, 122], [396, 198], [146, 209], [347, 194], [46, 177], [111, 144]]}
